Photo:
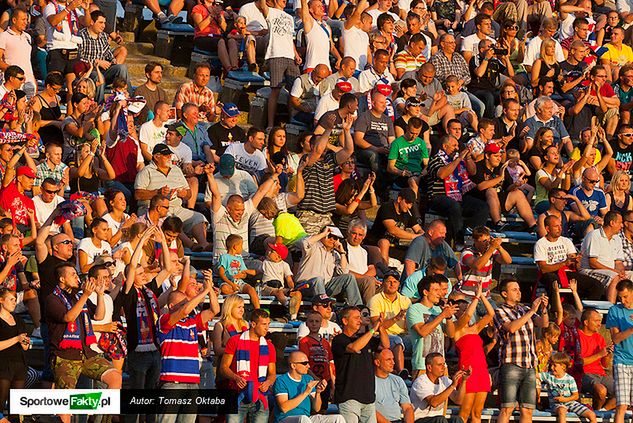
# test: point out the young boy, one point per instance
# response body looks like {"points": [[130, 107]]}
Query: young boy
{"points": [[519, 172], [276, 272], [319, 352], [563, 391], [232, 270], [460, 102]]}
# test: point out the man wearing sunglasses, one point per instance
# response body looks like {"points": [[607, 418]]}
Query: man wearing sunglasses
{"points": [[591, 196], [13, 80], [46, 202]]}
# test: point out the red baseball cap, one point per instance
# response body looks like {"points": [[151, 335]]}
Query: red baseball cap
{"points": [[280, 249], [492, 147], [27, 171]]}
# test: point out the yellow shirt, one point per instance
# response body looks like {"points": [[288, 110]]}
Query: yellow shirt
{"points": [[379, 303], [618, 57]]}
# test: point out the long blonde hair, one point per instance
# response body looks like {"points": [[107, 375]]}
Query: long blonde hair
{"points": [[615, 181], [546, 43], [226, 318]]}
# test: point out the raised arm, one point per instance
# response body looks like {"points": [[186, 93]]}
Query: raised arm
{"points": [[131, 273]]}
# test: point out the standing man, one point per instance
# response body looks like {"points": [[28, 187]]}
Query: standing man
{"points": [[392, 395], [319, 44], [281, 53], [517, 350], [621, 326], [15, 48], [249, 365], [151, 90], [355, 391]]}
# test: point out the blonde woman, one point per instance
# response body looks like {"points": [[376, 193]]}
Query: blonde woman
{"points": [[619, 199], [231, 323], [547, 65]]}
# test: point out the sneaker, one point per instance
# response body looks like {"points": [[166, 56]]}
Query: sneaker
{"points": [[37, 333]]}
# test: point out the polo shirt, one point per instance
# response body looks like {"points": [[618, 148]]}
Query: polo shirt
{"points": [[597, 245], [150, 178], [379, 303], [196, 140], [555, 124], [405, 60], [17, 51]]}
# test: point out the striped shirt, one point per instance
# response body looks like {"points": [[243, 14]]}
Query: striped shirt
{"points": [[224, 225], [179, 348], [558, 387], [473, 276], [516, 348], [319, 189], [405, 60]]}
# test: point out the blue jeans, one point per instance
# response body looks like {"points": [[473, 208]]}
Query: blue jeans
{"points": [[343, 283], [180, 417], [357, 412], [110, 74], [144, 371], [478, 106], [517, 384], [477, 210], [47, 373], [254, 411]]}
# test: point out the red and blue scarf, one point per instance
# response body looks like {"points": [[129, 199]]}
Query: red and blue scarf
{"points": [[251, 393], [72, 334], [147, 313]]}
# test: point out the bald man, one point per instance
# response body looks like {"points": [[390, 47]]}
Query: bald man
{"points": [[296, 394], [392, 395], [346, 71], [304, 94], [590, 195]]}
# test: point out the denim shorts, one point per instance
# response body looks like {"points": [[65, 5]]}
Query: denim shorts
{"points": [[517, 385]]}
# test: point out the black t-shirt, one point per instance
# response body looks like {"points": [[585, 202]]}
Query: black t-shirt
{"points": [[501, 130], [355, 378], [128, 303], [222, 137], [485, 174], [489, 80], [46, 270], [15, 353], [623, 157], [388, 211], [572, 72], [402, 124], [337, 130]]}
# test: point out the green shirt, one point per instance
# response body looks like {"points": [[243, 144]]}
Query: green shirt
{"points": [[288, 227], [408, 155]]}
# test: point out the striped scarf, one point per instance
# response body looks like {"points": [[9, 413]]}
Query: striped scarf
{"points": [[251, 393], [146, 316], [232, 330], [72, 333]]}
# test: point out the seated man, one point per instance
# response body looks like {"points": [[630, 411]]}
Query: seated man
{"points": [[298, 394], [304, 94], [392, 395], [332, 100], [430, 391], [391, 224], [231, 181], [558, 206], [161, 177], [46, 202], [408, 155], [360, 260], [226, 131], [495, 186], [545, 107], [593, 199], [602, 255], [248, 154], [183, 158]]}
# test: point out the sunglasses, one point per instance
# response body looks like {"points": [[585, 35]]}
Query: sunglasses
{"points": [[49, 191], [303, 363], [20, 78], [559, 198], [328, 305], [66, 242], [593, 181], [109, 264], [513, 27], [627, 134]]}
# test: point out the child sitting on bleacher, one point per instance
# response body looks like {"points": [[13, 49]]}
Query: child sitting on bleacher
{"points": [[276, 272], [232, 270], [519, 172], [562, 390]]}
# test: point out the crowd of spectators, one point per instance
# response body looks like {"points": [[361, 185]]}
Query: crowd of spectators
{"points": [[430, 128]]}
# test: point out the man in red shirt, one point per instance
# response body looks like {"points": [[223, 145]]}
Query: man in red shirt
{"points": [[249, 365], [600, 100], [12, 196], [596, 357]]}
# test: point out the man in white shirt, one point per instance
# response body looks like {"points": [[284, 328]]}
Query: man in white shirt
{"points": [[230, 181], [331, 100], [470, 44], [15, 48], [154, 131], [602, 255], [549, 26], [46, 202], [355, 36], [346, 71], [382, 6], [322, 304], [248, 155], [358, 260], [431, 390], [318, 36], [380, 70]]}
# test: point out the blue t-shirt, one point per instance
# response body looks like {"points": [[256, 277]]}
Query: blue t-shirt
{"points": [[555, 124], [620, 317], [593, 203], [410, 284], [421, 253], [391, 392], [232, 265], [286, 385], [433, 342], [563, 387]]}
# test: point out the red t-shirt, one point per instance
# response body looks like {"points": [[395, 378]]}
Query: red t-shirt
{"points": [[606, 91], [319, 354], [253, 347], [590, 345], [17, 203], [213, 28]]}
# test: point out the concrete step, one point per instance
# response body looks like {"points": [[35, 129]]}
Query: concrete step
{"points": [[141, 49]]}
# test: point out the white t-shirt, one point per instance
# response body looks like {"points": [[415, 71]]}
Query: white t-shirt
{"points": [[241, 183], [355, 44], [92, 251], [318, 45], [255, 20], [281, 41], [533, 51], [624, 5], [374, 17], [553, 252], [114, 225], [44, 210], [182, 154], [63, 39], [597, 245], [367, 79], [357, 259], [251, 163], [471, 43], [275, 271], [328, 332], [107, 317], [150, 134], [567, 26], [326, 104], [423, 388]]}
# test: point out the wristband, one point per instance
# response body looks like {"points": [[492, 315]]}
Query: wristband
{"points": [[357, 200], [372, 331]]}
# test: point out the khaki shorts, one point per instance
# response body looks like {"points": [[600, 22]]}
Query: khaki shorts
{"points": [[66, 372]]}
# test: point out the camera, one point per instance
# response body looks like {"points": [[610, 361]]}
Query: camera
{"points": [[499, 51]]}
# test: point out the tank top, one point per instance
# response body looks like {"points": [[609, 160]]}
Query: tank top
{"points": [[318, 45], [620, 209], [356, 42], [47, 112], [123, 156]]}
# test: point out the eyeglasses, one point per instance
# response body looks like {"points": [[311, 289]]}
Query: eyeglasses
{"points": [[512, 28], [559, 198], [349, 162], [20, 78], [65, 242], [303, 363]]}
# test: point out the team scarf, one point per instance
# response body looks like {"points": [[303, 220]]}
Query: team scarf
{"points": [[145, 323], [458, 182], [72, 17], [69, 210], [232, 330], [135, 105], [72, 334], [251, 393], [12, 137]]}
